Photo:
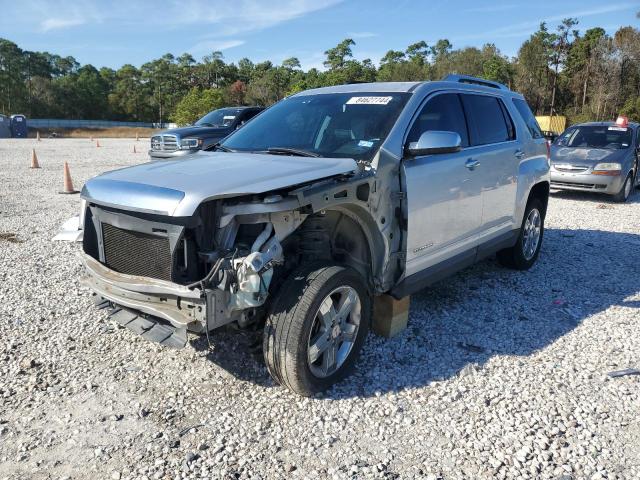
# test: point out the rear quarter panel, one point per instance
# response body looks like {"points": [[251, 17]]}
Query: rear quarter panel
{"points": [[534, 167], [532, 170]]}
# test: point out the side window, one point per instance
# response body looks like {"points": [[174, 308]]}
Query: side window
{"points": [[511, 128], [443, 112], [528, 117], [486, 120]]}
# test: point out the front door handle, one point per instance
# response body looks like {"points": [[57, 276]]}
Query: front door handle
{"points": [[472, 163], [519, 154]]}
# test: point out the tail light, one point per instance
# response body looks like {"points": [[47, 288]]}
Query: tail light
{"points": [[548, 144]]}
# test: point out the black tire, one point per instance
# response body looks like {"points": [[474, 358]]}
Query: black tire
{"points": [[514, 257], [289, 325], [623, 194]]}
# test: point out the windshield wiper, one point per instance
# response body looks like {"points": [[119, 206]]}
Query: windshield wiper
{"points": [[219, 146], [291, 151]]}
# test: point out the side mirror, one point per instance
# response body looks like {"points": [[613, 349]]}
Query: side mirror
{"points": [[433, 142]]}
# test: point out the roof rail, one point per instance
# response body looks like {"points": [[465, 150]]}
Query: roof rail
{"points": [[474, 80]]}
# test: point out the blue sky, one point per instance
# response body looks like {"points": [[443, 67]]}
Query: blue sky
{"points": [[112, 33]]}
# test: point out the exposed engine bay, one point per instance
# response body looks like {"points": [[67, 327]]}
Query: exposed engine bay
{"points": [[218, 265]]}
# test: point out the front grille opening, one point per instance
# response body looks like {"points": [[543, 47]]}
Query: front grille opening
{"points": [[89, 236], [576, 185], [137, 253], [188, 266], [166, 143]]}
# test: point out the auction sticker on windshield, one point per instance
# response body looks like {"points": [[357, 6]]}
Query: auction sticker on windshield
{"points": [[369, 100]]}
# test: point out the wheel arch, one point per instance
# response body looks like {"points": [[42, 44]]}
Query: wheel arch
{"points": [[354, 238], [540, 191]]}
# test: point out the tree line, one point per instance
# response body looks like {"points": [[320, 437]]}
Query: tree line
{"points": [[584, 76]]}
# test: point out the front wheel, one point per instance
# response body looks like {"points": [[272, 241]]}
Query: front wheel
{"points": [[527, 248], [316, 328], [625, 190]]}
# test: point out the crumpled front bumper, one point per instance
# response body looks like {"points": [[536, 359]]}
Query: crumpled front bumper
{"points": [[177, 304]]}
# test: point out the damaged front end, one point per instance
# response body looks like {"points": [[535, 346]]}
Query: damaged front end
{"points": [[193, 273]]}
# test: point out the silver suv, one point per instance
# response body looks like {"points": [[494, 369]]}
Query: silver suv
{"points": [[330, 197]]}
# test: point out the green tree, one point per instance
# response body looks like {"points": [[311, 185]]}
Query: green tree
{"points": [[561, 45], [12, 88], [580, 63], [532, 68], [129, 97], [196, 104], [338, 56], [590, 76], [631, 109]]}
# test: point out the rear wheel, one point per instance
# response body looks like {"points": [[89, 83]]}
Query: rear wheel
{"points": [[625, 191], [316, 328], [525, 252]]}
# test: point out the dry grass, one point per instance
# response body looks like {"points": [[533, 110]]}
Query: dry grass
{"points": [[115, 132]]}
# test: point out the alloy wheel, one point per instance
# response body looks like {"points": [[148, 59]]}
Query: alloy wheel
{"points": [[531, 234], [334, 331]]}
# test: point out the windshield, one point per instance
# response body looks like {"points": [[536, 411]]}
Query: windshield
{"points": [[346, 125], [592, 136], [219, 118]]}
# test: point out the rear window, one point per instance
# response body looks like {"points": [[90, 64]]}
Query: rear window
{"points": [[529, 120], [487, 122]]}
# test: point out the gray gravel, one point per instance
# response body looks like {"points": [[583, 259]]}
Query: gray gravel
{"points": [[500, 374]]}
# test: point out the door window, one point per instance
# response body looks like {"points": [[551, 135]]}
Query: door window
{"points": [[443, 112], [487, 123]]}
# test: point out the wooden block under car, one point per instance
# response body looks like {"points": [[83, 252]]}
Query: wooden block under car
{"points": [[390, 316]]}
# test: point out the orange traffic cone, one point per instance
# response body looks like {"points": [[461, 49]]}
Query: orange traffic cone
{"points": [[68, 184], [38, 135], [34, 159], [97, 143]]}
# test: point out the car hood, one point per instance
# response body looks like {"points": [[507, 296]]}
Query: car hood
{"points": [[196, 131], [178, 187], [586, 156]]}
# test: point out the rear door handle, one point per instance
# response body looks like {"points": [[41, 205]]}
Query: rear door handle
{"points": [[519, 154], [472, 163]]}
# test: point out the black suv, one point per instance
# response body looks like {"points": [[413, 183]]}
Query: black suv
{"points": [[207, 131]]}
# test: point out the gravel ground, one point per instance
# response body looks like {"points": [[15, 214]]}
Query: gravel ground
{"points": [[500, 374]]}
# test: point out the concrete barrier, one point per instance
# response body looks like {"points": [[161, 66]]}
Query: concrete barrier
{"points": [[59, 123]]}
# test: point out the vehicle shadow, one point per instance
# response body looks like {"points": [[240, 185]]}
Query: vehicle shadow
{"points": [[599, 198], [238, 352], [479, 313]]}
